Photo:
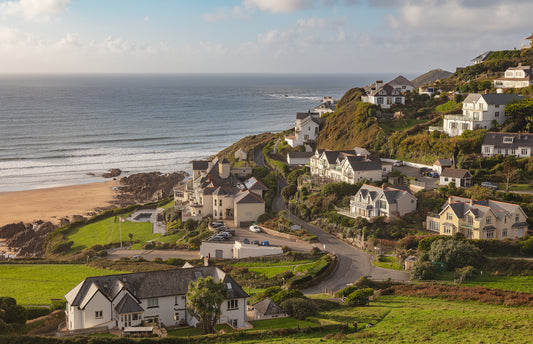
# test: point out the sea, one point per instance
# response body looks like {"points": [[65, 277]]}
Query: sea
{"points": [[58, 130]]}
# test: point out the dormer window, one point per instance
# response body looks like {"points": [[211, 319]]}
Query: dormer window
{"points": [[508, 139]]}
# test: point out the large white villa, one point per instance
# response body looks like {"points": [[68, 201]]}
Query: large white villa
{"points": [[156, 297], [479, 112]]}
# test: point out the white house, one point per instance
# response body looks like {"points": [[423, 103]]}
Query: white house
{"points": [[400, 83], [237, 250], [126, 300], [460, 177], [505, 144], [479, 112], [345, 166], [515, 77], [327, 105], [306, 129], [372, 201], [298, 158], [268, 309], [385, 96], [440, 164]]}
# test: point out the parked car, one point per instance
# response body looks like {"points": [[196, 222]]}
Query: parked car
{"points": [[221, 228], [217, 224], [255, 229], [489, 185], [265, 243], [245, 241], [422, 171], [433, 174], [224, 235], [230, 231], [255, 242], [398, 163], [136, 257], [217, 238]]}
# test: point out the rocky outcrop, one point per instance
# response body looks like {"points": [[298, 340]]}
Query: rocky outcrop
{"points": [[112, 173], [27, 238], [11, 229], [148, 187]]}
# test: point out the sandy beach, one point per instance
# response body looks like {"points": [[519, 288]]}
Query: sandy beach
{"points": [[54, 203]]}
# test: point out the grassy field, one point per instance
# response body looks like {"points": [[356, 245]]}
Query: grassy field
{"points": [[271, 269], [513, 283], [38, 283], [387, 262], [107, 231]]}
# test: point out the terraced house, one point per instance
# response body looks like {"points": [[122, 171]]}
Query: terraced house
{"points": [[372, 201], [486, 219], [348, 166]]}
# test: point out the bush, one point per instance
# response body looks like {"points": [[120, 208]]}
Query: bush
{"points": [[36, 312], [360, 297], [283, 295], [455, 254], [344, 292], [58, 304], [423, 270], [10, 312], [299, 308]]}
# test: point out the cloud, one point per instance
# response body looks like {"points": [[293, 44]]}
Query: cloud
{"points": [[223, 14], [280, 6], [33, 10]]}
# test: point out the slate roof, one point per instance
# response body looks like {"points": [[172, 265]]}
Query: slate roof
{"points": [[482, 57], [456, 173], [151, 284], [461, 206], [303, 115], [400, 81], [392, 194], [300, 154], [519, 140], [389, 91], [248, 197], [128, 305], [200, 165], [253, 184], [492, 98], [268, 307], [443, 162], [364, 163]]}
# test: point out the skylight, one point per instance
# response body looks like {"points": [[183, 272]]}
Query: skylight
{"points": [[508, 139]]}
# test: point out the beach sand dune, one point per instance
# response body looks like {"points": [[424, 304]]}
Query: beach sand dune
{"points": [[54, 203]]}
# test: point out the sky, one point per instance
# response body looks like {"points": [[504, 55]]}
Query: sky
{"points": [[255, 36]]}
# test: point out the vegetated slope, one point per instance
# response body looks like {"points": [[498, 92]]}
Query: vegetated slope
{"points": [[430, 77], [353, 124], [246, 143]]}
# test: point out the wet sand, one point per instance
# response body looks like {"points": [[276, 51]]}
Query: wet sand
{"points": [[52, 204]]}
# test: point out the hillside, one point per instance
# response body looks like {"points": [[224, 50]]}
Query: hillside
{"points": [[430, 77]]}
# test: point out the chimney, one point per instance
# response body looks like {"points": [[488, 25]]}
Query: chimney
{"points": [[206, 261], [486, 91], [383, 186], [519, 64], [471, 201]]}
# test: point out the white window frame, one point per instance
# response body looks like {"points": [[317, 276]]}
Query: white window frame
{"points": [[233, 304], [153, 302]]}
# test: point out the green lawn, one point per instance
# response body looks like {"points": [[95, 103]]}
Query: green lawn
{"points": [[171, 238], [271, 324], [513, 283], [387, 262], [38, 283], [191, 331], [278, 263], [108, 231], [167, 205], [515, 187], [271, 269]]}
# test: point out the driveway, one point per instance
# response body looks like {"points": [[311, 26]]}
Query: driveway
{"points": [[431, 183], [352, 261]]}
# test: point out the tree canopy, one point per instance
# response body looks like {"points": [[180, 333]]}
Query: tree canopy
{"points": [[204, 298]]}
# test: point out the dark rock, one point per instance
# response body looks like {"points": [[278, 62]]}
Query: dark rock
{"points": [[114, 172], [11, 229]]}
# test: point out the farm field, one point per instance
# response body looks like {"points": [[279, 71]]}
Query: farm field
{"points": [[36, 284], [107, 231], [513, 283]]}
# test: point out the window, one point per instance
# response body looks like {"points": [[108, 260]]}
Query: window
{"points": [[453, 125], [504, 232], [233, 304], [464, 126], [490, 234], [523, 152], [98, 314], [449, 216], [447, 229], [486, 150], [489, 219], [497, 114], [508, 139], [220, 203], [382, 204], [176, 316], [153, 302], [445, 179], [176, 300], [497, 106], [380, 100], [215, 203], [234, 323], [470, 219], [434, 226], [517, 218], [469, 233], [398, 100]]}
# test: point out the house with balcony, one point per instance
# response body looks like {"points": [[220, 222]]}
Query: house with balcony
{"points": [[389, 201], [515, 77], [485, 219], [480, 111], [519, 145], [328, 105], [214, 191], [150, 298], [306, 128], [345, 166]]}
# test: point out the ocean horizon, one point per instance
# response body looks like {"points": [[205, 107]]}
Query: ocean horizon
{"points": [[57, 130]]}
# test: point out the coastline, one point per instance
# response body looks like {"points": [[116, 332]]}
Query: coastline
{"points": [[52, 204]]}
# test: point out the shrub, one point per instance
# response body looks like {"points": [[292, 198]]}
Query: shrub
{"points": [[455, 254], [299, 308], [423, 270], [283, 295], [360, 297], [36, 312], [58, 304], [344, 292]]}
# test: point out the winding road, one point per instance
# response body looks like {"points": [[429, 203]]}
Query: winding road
{"points": [[352, 261]]}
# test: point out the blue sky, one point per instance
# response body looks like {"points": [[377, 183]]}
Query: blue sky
{"points": [[255, 36]]}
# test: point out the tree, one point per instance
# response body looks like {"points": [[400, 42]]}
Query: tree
{"points": [[360, 297], [454, 253], [478, 193], [10, 312], [204, 298], [423, 270], [299, 308], [130, 235], [510, 171]]}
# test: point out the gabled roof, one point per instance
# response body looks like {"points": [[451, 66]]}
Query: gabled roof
{"points": [[128, 305], [391, 194], [443, 162], [150, 284], [268, 307], [303, 115], [248, 197], [400, 81], [388, 90], [253, 184], [461, 206], [482, 57], [300, 154], [518, 140], [456, 173], [364, 163], [492, 98]]}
